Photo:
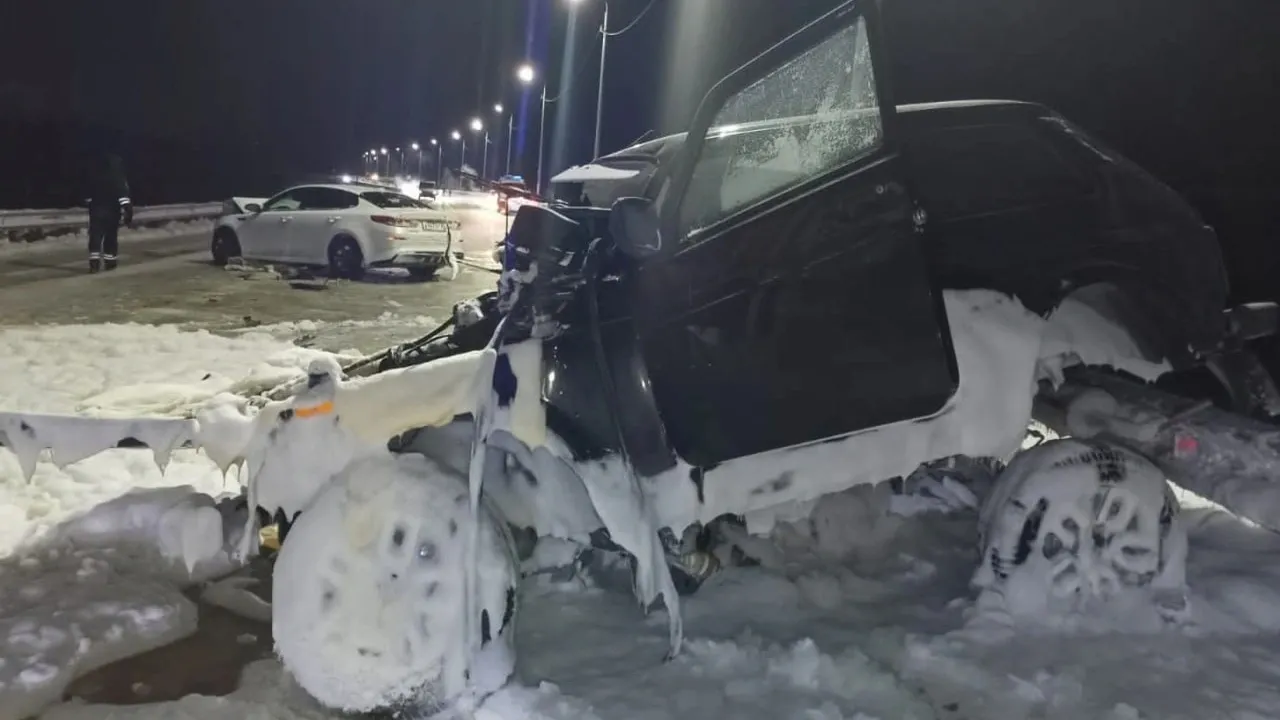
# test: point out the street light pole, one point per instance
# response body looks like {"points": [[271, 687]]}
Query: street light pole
{"points": [[439, 159], [542, 132], [511, 126], [484, 164], [456, 137], [604, 43]]}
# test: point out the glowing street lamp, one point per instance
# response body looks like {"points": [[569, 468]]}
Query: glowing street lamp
{"points": [[388, 157], [511, 124], [526, 75], [418, 149], [477, 125], [439, 160], [463, 156]]}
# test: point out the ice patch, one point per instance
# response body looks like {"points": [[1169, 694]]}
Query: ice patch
{"points": [[66, 610]]}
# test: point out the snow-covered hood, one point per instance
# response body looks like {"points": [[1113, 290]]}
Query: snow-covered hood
{"points": [[592, 171]]}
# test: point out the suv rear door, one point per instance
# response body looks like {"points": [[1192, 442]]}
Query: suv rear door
{"points": [[792, 301]]}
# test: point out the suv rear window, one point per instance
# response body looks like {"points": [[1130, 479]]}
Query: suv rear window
{"points": [[392, 200]]}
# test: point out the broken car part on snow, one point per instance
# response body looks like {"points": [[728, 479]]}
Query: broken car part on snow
{"points": [[809, 276]]}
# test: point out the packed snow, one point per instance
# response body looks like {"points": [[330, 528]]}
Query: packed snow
{"points": [[92, 555], [863, 607], [877, 623]]}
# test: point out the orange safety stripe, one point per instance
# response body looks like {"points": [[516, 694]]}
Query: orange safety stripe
{"points": [[323, 408]]}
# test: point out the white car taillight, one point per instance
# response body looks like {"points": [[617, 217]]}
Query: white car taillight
{"points": [[393, 221]]}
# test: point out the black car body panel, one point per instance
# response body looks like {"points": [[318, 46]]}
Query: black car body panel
{"points": [[786, 303], [812, 320], [1017, 200], [594, 383], [1020, 200]]}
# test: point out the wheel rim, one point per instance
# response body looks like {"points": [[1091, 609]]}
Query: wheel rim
{"points": [[344, 258]]}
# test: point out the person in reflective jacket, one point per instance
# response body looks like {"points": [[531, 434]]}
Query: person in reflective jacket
{"points": [[109, 207]]}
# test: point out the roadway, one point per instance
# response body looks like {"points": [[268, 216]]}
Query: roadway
{"points": [[171, 280]]}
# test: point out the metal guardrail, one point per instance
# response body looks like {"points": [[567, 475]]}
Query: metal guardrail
{"points": [[30, 224]]}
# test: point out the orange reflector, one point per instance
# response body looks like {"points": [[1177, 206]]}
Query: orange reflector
{"points": [[323, 408]]}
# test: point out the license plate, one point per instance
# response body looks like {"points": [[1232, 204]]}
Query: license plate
{"points": [[435, 225]]}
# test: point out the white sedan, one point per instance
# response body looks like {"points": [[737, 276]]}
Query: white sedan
{"points": [[347, 228]]}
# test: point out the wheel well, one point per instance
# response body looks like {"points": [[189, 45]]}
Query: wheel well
{"points": [[345, 237]]}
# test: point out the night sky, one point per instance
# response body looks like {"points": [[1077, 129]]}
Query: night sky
{"points": [[221, 96]]}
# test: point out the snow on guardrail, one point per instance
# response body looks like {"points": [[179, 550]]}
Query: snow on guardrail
{"points": [[21, 221]]}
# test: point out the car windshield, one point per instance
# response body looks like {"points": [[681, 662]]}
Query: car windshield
{"points": [[392, 200]]}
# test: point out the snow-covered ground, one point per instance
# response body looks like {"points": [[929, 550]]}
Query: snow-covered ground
{"points": [[176, 228], [864, 610], [87, 575]]}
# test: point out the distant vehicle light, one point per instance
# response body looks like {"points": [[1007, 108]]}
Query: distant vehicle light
{"points": [[346, 179], [410, 188]]}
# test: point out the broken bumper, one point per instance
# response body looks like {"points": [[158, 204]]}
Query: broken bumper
{"points": [[422, 258]]}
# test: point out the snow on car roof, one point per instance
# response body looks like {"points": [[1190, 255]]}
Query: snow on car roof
{"points": [[592, 171]]}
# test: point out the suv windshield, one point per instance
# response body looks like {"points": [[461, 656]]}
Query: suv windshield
{"points": [[392, 200]]}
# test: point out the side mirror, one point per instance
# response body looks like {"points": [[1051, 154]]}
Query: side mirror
{"points": [[634, 225], [253, 208]]}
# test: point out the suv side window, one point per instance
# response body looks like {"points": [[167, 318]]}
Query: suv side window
{"points": [[813, 115]]}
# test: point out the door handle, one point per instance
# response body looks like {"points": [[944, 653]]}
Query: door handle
{"points": [[333, 220], [285, 219]]}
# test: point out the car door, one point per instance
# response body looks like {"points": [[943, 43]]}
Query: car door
{"points": [[265, 235], [316, 223], [792, 300]]}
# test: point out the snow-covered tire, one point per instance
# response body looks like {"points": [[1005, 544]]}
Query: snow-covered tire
{"points": [[369, 592], [1071, 520]]}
